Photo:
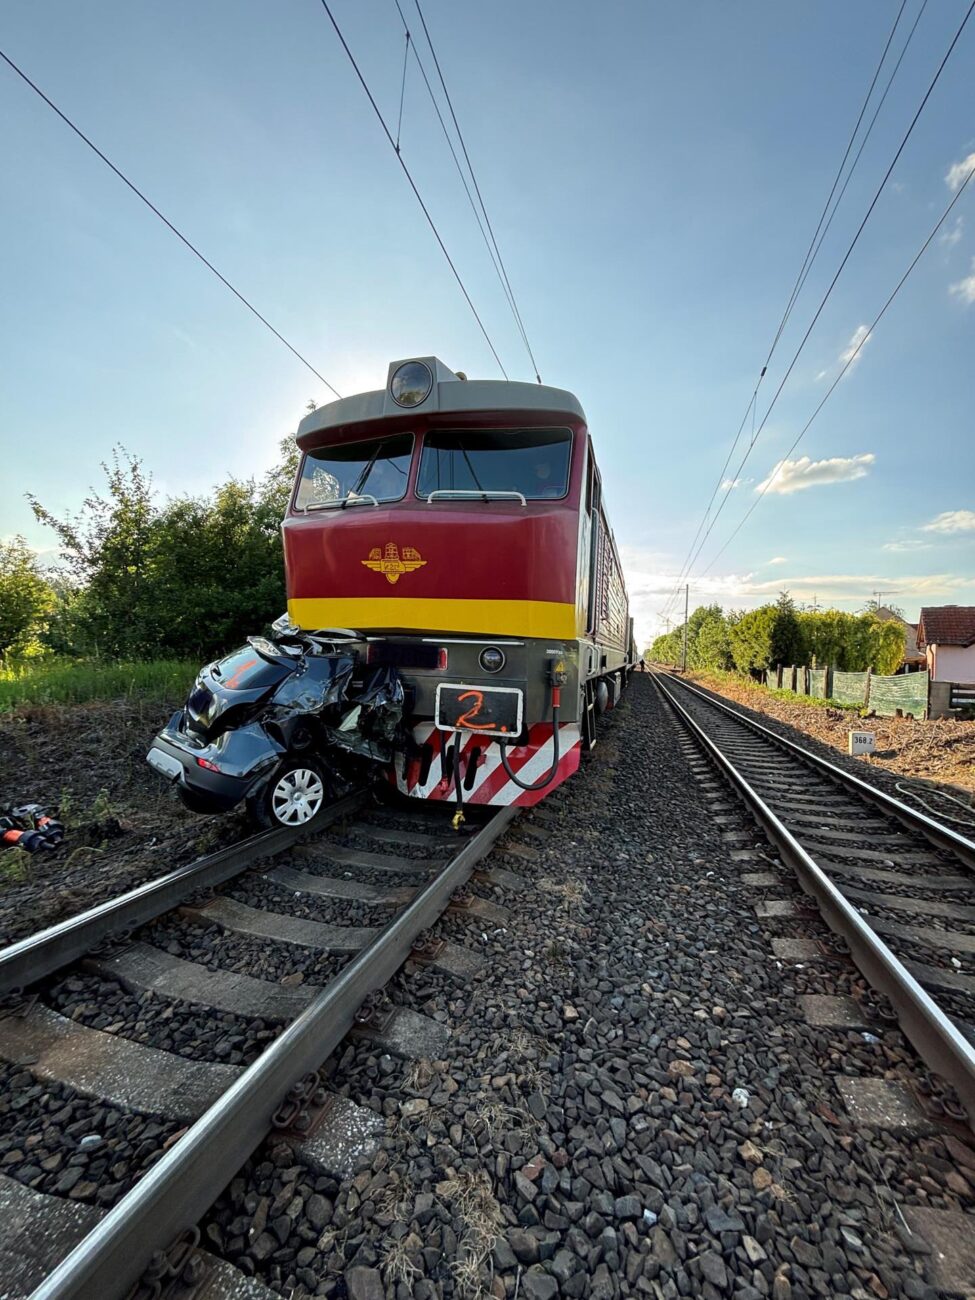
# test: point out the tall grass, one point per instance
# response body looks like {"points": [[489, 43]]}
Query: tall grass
{"points": [[815, 701], [73, 681]]}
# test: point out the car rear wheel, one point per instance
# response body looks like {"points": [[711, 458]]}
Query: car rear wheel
{"points": [[294, 796]]}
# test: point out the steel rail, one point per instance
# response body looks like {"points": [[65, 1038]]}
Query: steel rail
{"points": [[943, 836], [185, 1182], [938, 1042], [40, 954]]}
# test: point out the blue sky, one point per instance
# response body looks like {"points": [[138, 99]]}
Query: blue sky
{"points": [[653, 173]]}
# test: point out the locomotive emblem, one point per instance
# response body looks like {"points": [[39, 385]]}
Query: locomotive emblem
{"points": [[391, 564]]}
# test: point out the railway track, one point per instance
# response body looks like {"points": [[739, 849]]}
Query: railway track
{"points": [[404, 868], [894, 885]]}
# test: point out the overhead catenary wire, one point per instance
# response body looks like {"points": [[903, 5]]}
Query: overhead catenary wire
{"points": [[477, 189], [413, 186], [826, 296], [853, 356], [866, 137], [498, 268], [165, 220], [812, 251], [402, 90], [804, 269], [814, 247]]}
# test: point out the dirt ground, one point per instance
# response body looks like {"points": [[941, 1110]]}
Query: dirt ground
{"points": [[123, 824], [940, 753]]}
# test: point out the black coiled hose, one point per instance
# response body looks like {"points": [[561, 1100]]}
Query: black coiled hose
{"points": [[549, 776]]}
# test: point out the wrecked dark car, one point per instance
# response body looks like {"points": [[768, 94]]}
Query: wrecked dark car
{"points": [[286, 726]]}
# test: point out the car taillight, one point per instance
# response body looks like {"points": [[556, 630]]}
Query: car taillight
{"points": [[205, 762]]}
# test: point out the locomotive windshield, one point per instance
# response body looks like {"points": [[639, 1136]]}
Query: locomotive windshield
{"points": [[532, 462], [355, 471]]}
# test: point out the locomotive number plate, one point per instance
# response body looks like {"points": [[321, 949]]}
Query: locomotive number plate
{"points": [[490, 709]]}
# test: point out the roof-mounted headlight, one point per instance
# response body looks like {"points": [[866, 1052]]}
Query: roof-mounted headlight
{"points": [[411, 383]]}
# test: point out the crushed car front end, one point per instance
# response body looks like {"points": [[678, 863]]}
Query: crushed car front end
{"points": [[284, 726]]}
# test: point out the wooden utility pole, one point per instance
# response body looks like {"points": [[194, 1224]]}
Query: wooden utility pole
{"points": [[683, 653]]}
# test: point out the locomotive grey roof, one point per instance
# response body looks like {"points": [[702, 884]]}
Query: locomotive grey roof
{"points": [[449, 393]]}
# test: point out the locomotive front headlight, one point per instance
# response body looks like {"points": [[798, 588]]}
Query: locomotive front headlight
{"points": [[491, 659], [411, 383]]}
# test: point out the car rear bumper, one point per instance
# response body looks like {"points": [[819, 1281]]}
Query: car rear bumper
{"points": [[240, 762]]}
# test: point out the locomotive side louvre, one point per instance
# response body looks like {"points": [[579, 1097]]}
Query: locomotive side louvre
{"points": [[479, 562]]}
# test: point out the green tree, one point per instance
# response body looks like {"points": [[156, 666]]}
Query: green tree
{"points": [[192, 576], [276, 485], [764, 637], [788, 644], [65, 630], [218, 568], [666, 648], [885, 644], [25, 598], [750, 639], [107, 550], [711, 646], [853, 642]]}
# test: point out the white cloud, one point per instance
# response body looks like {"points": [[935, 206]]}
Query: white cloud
{"points": [[850, 355], [951, 237], [776, 559], [854, 349], [965, 289], [730, 483], [794, 475], [907, 544], [952, 521], [957, 173]]}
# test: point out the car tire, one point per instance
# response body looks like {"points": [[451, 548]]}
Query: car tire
{"points": [[294, 796]]}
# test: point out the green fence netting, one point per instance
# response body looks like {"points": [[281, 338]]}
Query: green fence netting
{"points": [[908, 692], [849, 688], [817, 682]]}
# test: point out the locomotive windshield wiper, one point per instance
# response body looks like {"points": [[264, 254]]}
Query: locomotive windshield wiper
{"points": [[467, 460], [354, 490]]}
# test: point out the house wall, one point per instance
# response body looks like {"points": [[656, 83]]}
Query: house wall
{"points": [[951, 663]]}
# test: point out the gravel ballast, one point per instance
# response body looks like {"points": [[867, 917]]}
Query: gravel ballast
{"points": [[631, 1102]]}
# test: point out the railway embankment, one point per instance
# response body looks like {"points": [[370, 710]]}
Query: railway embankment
{"points": [[122, 825], [937, 752]]}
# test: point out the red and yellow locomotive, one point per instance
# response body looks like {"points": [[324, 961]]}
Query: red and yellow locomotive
{"points": [[458, 526], [456, 610]]}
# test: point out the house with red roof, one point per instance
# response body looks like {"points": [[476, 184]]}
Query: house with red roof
{"points": [[946, 635]]}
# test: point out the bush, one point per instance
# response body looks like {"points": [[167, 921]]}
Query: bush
{"points": [[190, 577], [25, 599]]}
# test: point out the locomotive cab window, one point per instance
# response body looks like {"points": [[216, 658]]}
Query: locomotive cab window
{"points": [[533, 463], [347, 472]]}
